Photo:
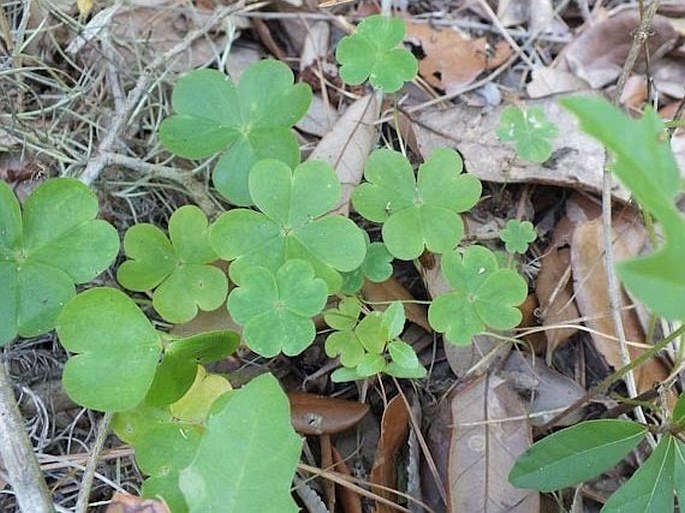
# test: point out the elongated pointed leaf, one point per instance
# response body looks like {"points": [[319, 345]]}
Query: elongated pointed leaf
{"points": [[650, 489], [575, 454]]}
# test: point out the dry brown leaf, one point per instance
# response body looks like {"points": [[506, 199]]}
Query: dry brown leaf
{"points": [[452, 60], [538, 14], [315, 44], [348, 144], [159, 26], [317, 414], [554, 287], [350, 500], [489, 432], [592, 296], [551, 390], [393, 290], [125, 503], [394, 432], [320, 118], [598, 54], [577, 160], [547, 81], [635, 92]]}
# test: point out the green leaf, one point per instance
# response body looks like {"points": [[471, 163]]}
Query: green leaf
{"points": [[247, 122], [530, 130], [345, 316], [644, 160], [393, 319], [678, 414], [403, 355], [377, 266], [345, 344], [517, 235], [276, 310], [162, 453], [292, 224], [650, 489], [131, 425], [195, 405], [178, 268], [575, 454], [117, 350], [372, 53], [483, 296], [417, 213], [370, 365], [679, 471], [418, 372], [645, 164], [247, 457], [56, 243], [373, 333], [345, 374]]}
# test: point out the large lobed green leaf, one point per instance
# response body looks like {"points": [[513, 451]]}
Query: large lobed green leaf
{"points": [[56, 243], [418, 212], [248, 122], [247, 457], [292, 223], [178, 269]]}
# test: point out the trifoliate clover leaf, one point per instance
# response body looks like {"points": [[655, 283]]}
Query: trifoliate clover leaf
{"points": [[345, 316], [248, 122], [517, 235], [178, 268], [54, 244], [117, 350], [371, 52], [292, 223], [483, 296], [276, 310], [404, 362], [421, 212], [529, 130]]}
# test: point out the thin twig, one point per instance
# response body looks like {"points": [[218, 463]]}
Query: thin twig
{"points": [[112, 133], [17, 454], [612, 281], [89, 474]]}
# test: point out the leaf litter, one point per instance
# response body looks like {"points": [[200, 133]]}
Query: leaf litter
{"points": [[461, 50]]}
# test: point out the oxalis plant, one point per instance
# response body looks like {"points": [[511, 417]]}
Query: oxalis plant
{"points": [[208, 448]]}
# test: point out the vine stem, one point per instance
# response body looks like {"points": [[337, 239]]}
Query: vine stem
{"points": [[89, 473], [16, 450]]}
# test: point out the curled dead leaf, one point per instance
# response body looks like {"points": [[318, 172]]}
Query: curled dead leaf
{"points": [[316, 414]]}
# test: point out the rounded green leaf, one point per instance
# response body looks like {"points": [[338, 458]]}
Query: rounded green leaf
{"points": [[291, 225], [196, 403], [57, 243], [116, 350], [517, 235], [377, 266], [249, 122], [403, 354], [345, 316], [417, 213], [346, 345], [371, 53], [276, 311], [178, 268], [249, 438], [373, 332], [529, 130], [575, 454], [173, 378], [483, 295], [371, 364]]}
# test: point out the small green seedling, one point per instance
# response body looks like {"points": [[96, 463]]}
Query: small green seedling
{"points": [[372, 53], [55, 243], [419, 212], [483, 295], [529, 130], [370, 346], [276, 310], [247, 122], [178, 269], [292, 222], [517, 235]]}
